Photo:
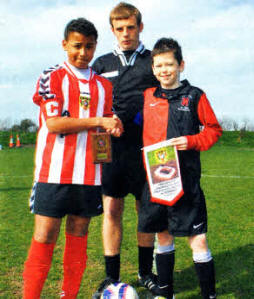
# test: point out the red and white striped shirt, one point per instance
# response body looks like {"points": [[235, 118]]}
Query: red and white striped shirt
{"points": [[63, 90]]}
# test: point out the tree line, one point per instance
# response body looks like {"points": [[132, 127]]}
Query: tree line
{"points": [[230, 124], [25, 125], [227, 123]]}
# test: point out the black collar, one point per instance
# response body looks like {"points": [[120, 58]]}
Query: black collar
{"points": [[172, 94]]}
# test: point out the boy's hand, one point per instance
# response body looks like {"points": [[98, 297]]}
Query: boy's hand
{"points": [[113, 125], [181, 143]]}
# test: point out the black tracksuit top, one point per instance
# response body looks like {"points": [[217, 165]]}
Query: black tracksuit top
{"points": [[129, 82]]}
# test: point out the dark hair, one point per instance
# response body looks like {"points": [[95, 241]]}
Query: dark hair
{"points": [[164, 45], [80, 25], [124, 10]]}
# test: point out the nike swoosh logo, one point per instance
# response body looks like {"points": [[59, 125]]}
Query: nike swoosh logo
{"points": [[153, 104], [198, 225]]}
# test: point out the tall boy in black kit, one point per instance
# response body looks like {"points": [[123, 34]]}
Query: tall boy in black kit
{"points": [[128, 67]]}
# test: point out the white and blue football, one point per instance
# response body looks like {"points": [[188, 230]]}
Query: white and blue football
{"points": [[119, 290]]}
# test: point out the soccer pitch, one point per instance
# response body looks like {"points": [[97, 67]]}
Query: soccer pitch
{"points": [[227, 180]]}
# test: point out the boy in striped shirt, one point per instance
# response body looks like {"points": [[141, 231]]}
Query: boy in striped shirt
{"points": [[74, 102]]}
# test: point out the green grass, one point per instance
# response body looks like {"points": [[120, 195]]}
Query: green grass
{"points": [[228, 174]]}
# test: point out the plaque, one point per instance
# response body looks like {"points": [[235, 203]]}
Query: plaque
{"points": [[101, 147]]}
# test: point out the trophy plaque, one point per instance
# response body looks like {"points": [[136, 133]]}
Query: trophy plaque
{"points": [[101, 146]]}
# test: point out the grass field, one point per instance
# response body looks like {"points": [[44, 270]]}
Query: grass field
{"points": [[228, 175]]}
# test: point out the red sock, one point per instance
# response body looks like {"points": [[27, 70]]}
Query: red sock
{"points": [[74, 263], [36, 268]]}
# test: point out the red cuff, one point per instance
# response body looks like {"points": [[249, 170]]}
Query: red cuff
{"points": [[191, 143]]}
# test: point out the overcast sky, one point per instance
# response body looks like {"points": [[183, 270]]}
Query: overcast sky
{"points": [[216, 38]]}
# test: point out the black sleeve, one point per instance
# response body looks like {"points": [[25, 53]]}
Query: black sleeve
{"points": [[97, 66], [133, 103], [133, 107]]}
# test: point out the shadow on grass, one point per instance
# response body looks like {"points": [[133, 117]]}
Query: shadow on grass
{"points": [[234, 276]]}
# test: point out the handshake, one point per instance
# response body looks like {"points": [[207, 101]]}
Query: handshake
{"points": [[112, 125]]}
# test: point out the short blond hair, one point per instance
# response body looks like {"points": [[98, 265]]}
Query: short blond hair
{"points": [[124, 10]]}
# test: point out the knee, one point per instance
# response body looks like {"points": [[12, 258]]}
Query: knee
{"points": [[113, 214], [46, 236], [198, 243], [46, 229], [145, 239], [113, 209], [77, 226], [165, 239]]}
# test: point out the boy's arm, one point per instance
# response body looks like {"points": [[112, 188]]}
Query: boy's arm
{"points": [[69, 125], [212, 130], [208, 136]]}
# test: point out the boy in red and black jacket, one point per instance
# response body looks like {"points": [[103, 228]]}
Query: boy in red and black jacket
{"points": [[176, 111]]}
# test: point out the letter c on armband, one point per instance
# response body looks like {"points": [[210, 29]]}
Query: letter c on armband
{"points": [[52, 108]]}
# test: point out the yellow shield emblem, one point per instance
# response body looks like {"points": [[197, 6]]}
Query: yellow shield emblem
{"points": [[84, 101], [161, 156]]}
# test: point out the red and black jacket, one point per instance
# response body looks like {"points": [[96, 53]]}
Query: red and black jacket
{"points": [[186, 111]]}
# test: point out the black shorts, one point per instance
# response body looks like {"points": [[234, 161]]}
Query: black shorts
{"points": [[125, 174], [188, 217], [58, 200]]}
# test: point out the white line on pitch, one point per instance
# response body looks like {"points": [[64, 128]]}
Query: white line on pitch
{"points": [[227, 176]]}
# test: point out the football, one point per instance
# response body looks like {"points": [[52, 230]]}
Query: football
{"points": [[119, 290]]}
